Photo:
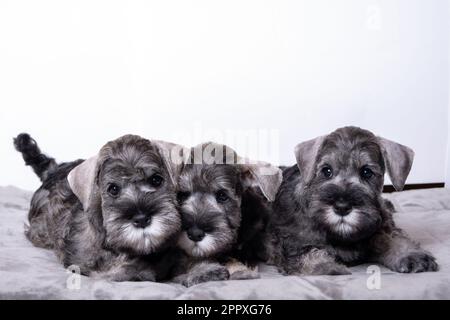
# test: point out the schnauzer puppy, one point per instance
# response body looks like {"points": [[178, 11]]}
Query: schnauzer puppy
{"points": [[224, 209], [113, 215], [329, 212]]}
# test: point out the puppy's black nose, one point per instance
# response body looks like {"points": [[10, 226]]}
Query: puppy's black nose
{"points": [[195, 234], [342, 208], [141, 220]]}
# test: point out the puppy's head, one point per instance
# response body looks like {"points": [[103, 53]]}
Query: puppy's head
{"points": [[210, 195], [128, 192], [342, 179]]}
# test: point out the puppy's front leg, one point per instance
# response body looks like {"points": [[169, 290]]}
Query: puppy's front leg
{"points": [[121, 270], [240, 271], [399, 253], [204, 271], [315, 261], [123, 274]]}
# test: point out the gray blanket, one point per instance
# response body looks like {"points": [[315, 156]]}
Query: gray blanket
{"points": [[27, 272]]}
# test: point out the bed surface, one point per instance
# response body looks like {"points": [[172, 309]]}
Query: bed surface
{"points": [[27, 272]]}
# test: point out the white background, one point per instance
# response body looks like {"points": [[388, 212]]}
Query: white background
{"points": [[76, 74]]}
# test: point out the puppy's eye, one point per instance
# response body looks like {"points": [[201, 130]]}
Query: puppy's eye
{"points": [[327, 172], [183, 196], [156, 180], [366, 173], [221, 196], [113, 190]]}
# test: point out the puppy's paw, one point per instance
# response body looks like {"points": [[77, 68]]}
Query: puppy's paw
{"points": [[330, 268], [216, 273], [124, 277], [244, 275], [417, 261], [240, 271], [144, 275], [317, 262]]}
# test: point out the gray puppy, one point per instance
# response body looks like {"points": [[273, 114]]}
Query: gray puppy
{"points": [[113, 215], [329, 212], [224, 208]]}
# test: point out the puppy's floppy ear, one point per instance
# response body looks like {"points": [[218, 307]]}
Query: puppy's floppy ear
{"points": [[398, 160], [306, 155], [174, 157], [82, 181], [263, 175]]}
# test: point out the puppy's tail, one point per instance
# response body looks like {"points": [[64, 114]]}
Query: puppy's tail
{"points": [[33, 156]]}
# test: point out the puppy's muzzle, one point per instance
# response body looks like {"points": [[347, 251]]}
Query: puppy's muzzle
{"points": [[342, 207], [141, 220], [195, 234], [141, 217]]}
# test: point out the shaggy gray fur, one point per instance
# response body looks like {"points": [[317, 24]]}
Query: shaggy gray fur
{"points": [[329, 212], [124, 220]]}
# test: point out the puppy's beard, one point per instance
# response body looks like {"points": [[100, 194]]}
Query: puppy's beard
{"points": [[145, 240], [201, 249], [342, 225]]}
